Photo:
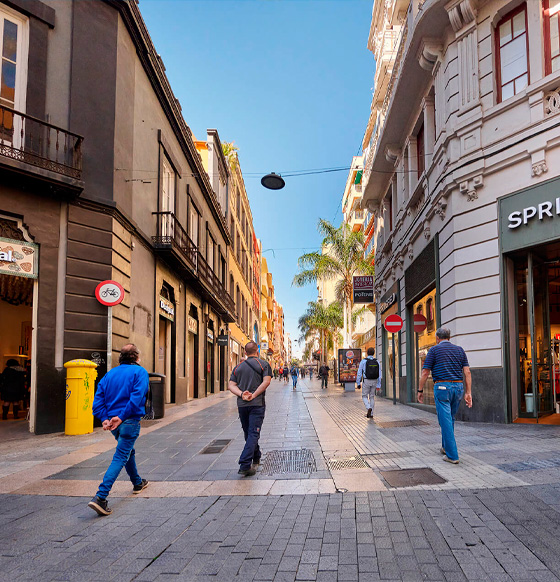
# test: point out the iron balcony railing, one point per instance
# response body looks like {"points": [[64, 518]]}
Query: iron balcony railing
{"points": [[171, 234], [27, 139]]}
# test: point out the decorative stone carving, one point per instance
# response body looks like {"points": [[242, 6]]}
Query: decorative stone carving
{"points": [[552, 103], [427, 233], [410, 252], [399, 261], [539, 168], [441, 207], [392, 154], [461, 13], [429, 53], [470, 188], [10, 229]]}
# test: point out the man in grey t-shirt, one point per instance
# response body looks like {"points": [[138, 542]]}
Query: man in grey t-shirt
{"points": [[248, 382]]}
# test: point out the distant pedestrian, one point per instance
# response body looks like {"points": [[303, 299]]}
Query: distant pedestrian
{"points": [[448, 363], [248, 382], [324, 375], [294, 372], [12, 387], [369, 372], [286, 373], [311, 373], [275, 372], [120, 403]]}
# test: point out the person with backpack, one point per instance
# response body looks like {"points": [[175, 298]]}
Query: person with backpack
{"points": [[286, 373], [294, 372], [248, 382], [369, 372]]}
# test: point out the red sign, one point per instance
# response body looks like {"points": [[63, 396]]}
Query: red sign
{"points": [[420, 323], [393, 323], [109, 293]]}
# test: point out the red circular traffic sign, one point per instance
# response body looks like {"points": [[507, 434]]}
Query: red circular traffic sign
{"points": [[420, 323], [393, 323], [109, 293]]}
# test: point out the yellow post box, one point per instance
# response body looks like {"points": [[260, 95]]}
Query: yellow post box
{"points": [[80, 385]]}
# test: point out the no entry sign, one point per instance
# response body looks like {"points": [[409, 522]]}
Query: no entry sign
{"points": [[393, 323], [420, 323]]}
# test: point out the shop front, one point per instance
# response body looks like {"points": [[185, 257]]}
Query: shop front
{"points": [[530, 246], [389, 305]]}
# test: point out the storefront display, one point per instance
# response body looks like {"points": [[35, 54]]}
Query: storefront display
{"points": [[423, 341], [348, 363]]}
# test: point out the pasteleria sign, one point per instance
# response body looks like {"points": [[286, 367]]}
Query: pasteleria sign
{"points": [[19, 258]]}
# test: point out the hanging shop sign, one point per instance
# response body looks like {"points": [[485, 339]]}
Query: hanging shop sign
{"points": [[391, 300], [166, 308], [210, 336], [192, 324], [19, 258], [264, 346], [234, 347], [348, 364], [223, 340], [530, 217], [109, 293], [363, 289]]}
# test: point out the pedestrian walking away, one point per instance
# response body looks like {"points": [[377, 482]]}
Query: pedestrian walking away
{"points": [[12, 387], [249, 382], [294, 373], [120, 403], [286, 374], [448, 364], [311, 373], [369, 378], [324, 375]]}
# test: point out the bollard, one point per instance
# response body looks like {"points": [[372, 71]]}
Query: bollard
{"points": [[80, 385]]}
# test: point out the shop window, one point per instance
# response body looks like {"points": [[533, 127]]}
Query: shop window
{"points": [[552, 35], [512, 53], [422, 343], [430, 315]]}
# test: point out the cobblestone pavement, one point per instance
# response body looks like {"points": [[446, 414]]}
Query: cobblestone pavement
{"points": [[329, 514]]}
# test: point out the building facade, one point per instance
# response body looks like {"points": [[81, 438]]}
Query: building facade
{"points": [[461, 168]]}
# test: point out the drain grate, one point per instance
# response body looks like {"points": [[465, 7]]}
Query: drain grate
{"points": [[354, 462], [400, 423], [412, 477], [290, 461], [215, 447]]}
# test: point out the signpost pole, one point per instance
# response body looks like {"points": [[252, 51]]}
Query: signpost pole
{"points": [[109, 337], [394, 371]]}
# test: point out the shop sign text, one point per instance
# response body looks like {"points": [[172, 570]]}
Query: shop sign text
{"points": [[544, 209], [18, 258], [193, 325], [388, 302], [167, 308]]}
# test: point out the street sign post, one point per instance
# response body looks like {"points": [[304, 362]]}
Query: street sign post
{"points": [[393, 324], [109, 293]]}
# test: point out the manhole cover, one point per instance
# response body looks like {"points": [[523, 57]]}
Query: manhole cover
{"points": [[354, 462], [400, 423], [412, 477], [291, 461], [215, 447]]}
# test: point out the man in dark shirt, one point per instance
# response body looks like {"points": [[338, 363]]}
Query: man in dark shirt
{"points": [[324, 375], [248, 382], [448, 363]]}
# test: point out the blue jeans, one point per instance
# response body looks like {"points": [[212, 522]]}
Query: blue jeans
{"points": [[126, 435], [448, 397], [251, 418], [294, 381]]}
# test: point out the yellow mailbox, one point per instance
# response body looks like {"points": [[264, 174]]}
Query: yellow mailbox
{"points": [[80, 385]]}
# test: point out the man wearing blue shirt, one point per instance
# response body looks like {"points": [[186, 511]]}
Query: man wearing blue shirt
{"points": [[448, 364], [119, 403], [369, 372]]}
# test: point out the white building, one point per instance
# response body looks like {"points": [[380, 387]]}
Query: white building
{"points": [[462, 164]]}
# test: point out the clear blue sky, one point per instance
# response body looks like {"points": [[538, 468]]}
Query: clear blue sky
{"points": [[289, 81]]}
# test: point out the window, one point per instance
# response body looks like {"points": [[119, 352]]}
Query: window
{"points": [[13, 73], [512, 51], [210, 252], [194, 219], [420, 151], [552, 35], [167, 197]]}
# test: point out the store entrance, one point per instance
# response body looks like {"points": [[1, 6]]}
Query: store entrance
{"points": [[536, 381], [16, 314]]}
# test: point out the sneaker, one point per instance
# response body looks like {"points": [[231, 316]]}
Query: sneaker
{"points": [[369, 412], [448, 460], [247, 472], [442, 451], [100, 506], [141, 487]]}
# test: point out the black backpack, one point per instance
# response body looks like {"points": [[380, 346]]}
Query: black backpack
{"points": [[372, 369]]}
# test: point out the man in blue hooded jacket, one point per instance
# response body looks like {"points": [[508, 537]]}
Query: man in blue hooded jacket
{"points": [[120, 403]]}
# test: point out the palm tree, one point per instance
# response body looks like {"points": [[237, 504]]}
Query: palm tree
{"points": [[342, 257], [322, 321]]}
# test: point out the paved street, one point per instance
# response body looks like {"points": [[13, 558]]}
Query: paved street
{"points": [[327, 504]]}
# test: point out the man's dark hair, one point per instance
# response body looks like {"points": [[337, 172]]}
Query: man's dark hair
{"points": [[129, 354], [251, 349], [371, 351]]}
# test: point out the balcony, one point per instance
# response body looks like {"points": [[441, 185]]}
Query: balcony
{"points": [[40, 151], [174, 245]]}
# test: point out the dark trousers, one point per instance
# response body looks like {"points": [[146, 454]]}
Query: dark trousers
{"points": [[324, 381], [251, 418]]}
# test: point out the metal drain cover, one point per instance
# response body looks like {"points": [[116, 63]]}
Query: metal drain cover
{"points": [[215, 447], [290, 461], [354, 462], [400, 423], [412, 477]]}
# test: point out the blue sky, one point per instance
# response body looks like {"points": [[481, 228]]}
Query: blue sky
{"points": [[289, 81]]}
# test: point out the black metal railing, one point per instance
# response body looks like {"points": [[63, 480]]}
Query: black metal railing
{"points": [[171, 234], [27, 139]]}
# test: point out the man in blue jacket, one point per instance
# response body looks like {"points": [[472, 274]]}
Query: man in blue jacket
{"points": [[120, 403]]}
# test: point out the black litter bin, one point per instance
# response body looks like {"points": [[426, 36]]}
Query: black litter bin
{"points": [[157, 386]]}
